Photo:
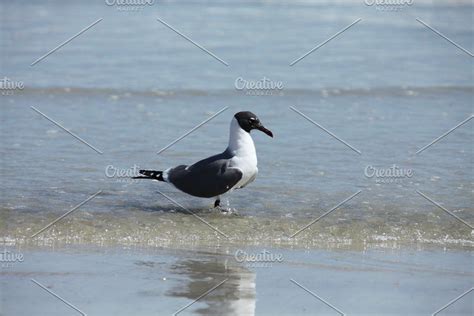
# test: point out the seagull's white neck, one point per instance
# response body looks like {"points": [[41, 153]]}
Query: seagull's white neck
{"points": [[240, 142]]}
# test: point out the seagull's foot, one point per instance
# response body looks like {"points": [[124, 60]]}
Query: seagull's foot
{"points": [[224, 210], [227, 211]]}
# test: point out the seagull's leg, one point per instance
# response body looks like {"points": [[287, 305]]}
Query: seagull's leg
{"points": [[224, 210], [217, 203]]}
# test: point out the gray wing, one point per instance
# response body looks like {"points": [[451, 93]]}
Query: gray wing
{"points": [[207, 178]]}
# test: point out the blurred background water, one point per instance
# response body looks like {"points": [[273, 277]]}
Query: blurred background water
{"points": [[129, 86]]}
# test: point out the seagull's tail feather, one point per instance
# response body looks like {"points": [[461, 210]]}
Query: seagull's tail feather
{"points": [[151, 174]]}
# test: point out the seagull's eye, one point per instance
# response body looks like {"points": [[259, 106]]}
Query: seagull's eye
{"points": [[252, 120]]}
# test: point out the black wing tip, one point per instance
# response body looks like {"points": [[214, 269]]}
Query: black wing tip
{"points": [[151, 174]]}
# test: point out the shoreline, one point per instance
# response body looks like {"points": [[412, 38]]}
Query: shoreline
{"points": [[193, 245]]}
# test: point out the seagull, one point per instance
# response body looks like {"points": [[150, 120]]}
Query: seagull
{"points": [[234, 168]]}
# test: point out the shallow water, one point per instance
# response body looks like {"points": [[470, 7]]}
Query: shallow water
{"points": [[302, 172], [130, 86]]}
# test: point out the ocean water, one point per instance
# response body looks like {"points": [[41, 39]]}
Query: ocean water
{"points": [[129, 86]]}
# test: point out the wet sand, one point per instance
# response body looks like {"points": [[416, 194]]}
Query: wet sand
{"points": [[272, 281]]}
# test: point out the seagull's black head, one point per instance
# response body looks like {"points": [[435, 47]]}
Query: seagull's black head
{"points": [[249, 121]]}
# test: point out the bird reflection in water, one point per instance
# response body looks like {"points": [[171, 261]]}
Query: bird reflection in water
{"points": [[234, 297]]}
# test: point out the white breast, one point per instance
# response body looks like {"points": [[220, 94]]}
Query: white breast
{"points": [[249, 170], [242, 147]]}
